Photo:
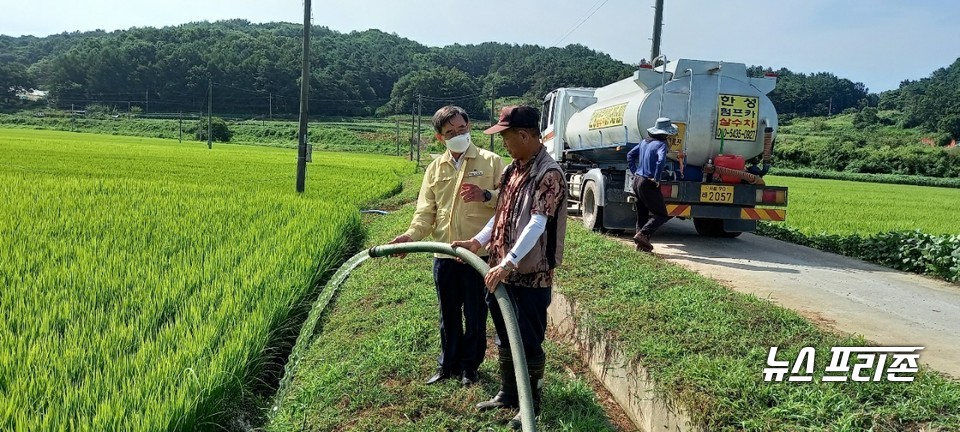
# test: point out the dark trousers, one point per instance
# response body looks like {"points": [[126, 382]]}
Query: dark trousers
{"points": [[530, 308], [460, 292], [649, 201]]}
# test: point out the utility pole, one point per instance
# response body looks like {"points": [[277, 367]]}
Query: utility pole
{"points": [[657, 24], [304, 96], [209, 112], [146, 98], [398, 137], [181, 126], [271, 106], [413, 126], [419, 125], [493, 116]]}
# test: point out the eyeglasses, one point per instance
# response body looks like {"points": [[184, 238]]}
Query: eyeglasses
{"points": [[456, 132]]}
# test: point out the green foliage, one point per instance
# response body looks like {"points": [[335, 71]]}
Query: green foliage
{"points": [[932, 103], [950, 125], [150, 285], [838, 144], [816, 94], [866, 117], [13, 78], [255, 69], [218, 129], [910, 251], [945, 139], [434, 86], [101, 110]]}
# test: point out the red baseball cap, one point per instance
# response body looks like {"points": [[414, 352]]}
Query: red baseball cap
{"points": [[521, 116]]}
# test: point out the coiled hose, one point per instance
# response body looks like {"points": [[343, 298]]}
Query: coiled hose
{"points": [[527, 417]]}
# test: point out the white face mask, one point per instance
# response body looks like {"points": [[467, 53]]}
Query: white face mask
{"points": [[459, 143]]}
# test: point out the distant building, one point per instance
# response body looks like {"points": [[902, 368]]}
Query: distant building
{"points": [[32, 95]]}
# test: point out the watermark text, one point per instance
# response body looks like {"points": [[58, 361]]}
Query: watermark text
{"points": [[895, 364]]}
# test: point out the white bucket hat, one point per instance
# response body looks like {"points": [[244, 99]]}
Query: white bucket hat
{"points": [[663, 127]]}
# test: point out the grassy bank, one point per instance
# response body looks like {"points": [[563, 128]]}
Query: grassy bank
{"points": [[706, 347]]}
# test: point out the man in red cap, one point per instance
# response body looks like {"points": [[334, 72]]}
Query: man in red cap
{"points": [[525, 240]]}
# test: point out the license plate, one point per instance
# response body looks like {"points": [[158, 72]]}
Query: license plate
{"points": [[716, 194]]}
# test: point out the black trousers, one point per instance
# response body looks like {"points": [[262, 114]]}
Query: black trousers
{"points": [[531, 312], [649, 201], [463, 315]]}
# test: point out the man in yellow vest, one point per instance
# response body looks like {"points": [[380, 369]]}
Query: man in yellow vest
{"points": [[457, 197]]}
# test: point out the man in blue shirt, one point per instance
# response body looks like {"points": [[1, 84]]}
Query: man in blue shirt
{"points": [[646, 162]]}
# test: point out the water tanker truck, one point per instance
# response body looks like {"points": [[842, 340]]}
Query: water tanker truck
{"points": [[716, 162]]}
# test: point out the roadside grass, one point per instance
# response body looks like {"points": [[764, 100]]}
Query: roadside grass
{"points": [[379, 341], [706, 348], [849, 207]]}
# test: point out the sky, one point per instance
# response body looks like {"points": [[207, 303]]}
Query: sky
{"points": [[877, 42]]}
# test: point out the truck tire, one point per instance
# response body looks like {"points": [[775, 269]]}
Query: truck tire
{"points": [[589, 208], [710, 227]]}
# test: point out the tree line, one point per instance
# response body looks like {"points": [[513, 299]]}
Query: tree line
{"points": [[255, 70]]}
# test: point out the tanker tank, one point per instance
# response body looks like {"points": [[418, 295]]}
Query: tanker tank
{"points": [[703, 98]]}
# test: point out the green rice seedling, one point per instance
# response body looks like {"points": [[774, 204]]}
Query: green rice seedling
{"points": [[145, 281], [848, 207]]}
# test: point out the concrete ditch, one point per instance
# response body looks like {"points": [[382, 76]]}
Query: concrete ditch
{"points": [[627, 380]]}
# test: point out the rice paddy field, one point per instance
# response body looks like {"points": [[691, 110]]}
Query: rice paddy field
{"points": [[845, 207], [144, 282]]}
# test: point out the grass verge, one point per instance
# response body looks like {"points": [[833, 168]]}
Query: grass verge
{"points": [[706, 348]]}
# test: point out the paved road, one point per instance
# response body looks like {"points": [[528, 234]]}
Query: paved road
{"points": [[886, 306]]}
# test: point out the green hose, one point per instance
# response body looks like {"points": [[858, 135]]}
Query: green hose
{"points": [[507, 308], [722, 133]]}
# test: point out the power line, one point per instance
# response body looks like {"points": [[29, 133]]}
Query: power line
{"points": [[454, 98], [589, 14]]}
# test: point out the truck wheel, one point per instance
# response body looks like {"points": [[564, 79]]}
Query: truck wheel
{"points": [[709, 227], [591, 211]]}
